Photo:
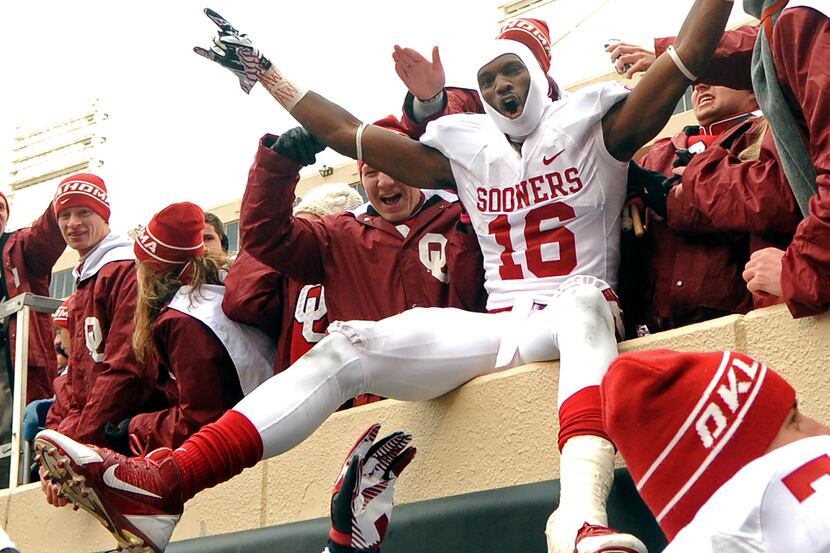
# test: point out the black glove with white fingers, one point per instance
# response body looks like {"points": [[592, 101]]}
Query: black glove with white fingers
{"points": [[363, 496], [235, 52], [651, 187], [298, 145]]}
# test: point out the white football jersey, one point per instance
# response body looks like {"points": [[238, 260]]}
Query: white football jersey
{"points": [[779, 503], [552, 212]]}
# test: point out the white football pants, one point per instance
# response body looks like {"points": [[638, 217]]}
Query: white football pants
{"points": [[426, 352]]}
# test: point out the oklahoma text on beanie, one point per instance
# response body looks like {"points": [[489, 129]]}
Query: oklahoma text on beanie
{"points": [[172, 237], [685, 423], [83, 190], [61, 315], [534, 34]]}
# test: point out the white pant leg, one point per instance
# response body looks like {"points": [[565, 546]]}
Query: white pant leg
{"points": [[538, 341], [289, 406], [584, 328], [425, 352], [417, 355]]}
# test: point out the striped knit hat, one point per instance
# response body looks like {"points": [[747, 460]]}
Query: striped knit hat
{"points": [[83, 190], [685, 423], [533, 33], [172, 237], [61, 315]]}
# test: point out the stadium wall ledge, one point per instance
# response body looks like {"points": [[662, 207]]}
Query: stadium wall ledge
{"points": [[495, 432]]}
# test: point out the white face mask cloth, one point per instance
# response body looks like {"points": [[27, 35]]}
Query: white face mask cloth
{"points": [[537, 97]]}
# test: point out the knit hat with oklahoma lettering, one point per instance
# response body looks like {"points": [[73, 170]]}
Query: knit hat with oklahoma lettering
{"points": [[533, 33], [685, 423], [61, 315], [83, 190], [172, 237]]}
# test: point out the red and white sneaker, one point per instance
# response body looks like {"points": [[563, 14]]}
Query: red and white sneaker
{"points": [[139, 500], [593, 538]]}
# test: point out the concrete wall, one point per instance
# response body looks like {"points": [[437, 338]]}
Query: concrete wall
{"points": [[496, 431]]}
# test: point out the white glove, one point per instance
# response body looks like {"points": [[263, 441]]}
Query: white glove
{"points": [[363, 496], [235, 51]]}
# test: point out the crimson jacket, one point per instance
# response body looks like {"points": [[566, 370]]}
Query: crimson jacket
{"points": [[295, 314], [456, 100], [28, 257], [745, 196], [800, 42], [368, 270], [105, 382], [198, 378], [683, 270]]}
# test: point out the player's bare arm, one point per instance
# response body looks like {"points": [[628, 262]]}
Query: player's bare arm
{"points": [[405, 159], [637, 119], [402, 158]]}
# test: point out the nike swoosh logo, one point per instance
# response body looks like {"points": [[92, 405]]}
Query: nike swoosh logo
{"points": [[549, 160], [111, 480]]}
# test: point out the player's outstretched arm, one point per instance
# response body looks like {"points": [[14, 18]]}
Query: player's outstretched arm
{"points": [[363, 496], [407, 160], [638, 119]]}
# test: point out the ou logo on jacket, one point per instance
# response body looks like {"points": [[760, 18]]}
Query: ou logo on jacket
{"points": [[432, 250], [94, 337], [311, 309]]}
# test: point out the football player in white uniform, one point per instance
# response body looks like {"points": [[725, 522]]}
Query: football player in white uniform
{"points": [[544, 183], [720, 452]]}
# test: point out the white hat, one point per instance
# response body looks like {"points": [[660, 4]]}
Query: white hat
{"points": [[328, 199]]}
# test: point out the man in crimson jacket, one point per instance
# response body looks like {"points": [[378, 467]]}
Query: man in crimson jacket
{"points": [[103, 368], [799, 39], [28, 257], [405, 249], [733, 200]]}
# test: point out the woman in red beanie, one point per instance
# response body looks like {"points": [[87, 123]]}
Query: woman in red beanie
{"points": [[206, 362]]}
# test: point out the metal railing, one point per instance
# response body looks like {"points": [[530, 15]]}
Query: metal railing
{"points": [[22, 306]]}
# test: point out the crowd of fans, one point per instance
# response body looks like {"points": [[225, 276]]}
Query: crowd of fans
{"points": [[184, 330]]}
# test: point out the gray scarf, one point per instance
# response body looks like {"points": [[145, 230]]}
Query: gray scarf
{"points": [[795, 159]]}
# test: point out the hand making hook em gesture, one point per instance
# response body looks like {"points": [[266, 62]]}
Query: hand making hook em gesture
{"points": [[235, 51]]}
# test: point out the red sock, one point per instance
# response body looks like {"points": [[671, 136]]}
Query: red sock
{"points": [[581, 415], [218, 452]]}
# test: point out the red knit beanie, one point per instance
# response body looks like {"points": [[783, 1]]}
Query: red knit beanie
{"points": [[172, 237], [533, 33], [685, 423], [83, 190], [61, 315], [390, 123]]}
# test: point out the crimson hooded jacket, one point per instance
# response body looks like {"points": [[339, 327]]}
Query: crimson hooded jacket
{"points": [[368, 269], [28, 257], [800, 42], [105, 383]]}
